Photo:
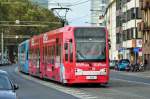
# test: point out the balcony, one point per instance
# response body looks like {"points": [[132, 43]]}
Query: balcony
{"points": [[144, 4]]}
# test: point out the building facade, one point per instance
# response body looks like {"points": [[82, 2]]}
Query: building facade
{"points": [[144, 28], [98, 8], [129, 41], [110, 21]]}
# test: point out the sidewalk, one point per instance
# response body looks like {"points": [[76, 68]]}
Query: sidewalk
{"points": [[145, 74]]}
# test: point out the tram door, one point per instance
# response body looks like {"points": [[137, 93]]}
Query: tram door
{"points": [[69, 57], [38, 61]]}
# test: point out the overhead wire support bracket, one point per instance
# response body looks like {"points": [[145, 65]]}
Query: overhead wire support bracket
{"points": [[63, 20]]}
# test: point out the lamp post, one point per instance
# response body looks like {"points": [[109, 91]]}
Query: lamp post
{"points": [[2, 47]]}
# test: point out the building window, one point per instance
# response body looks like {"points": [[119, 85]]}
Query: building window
{"points": [[124, 35], [129, 15], [118, 21], [134, 13], [139, 13], [118, 38], [128, 34], [118, 4]]}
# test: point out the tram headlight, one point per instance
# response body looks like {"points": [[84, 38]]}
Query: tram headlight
{"points": [[103, 71]]}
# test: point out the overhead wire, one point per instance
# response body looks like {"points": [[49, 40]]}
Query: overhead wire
{"points": [[79, 3], [79, 18]]}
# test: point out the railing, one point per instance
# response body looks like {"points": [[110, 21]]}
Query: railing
{"points": [[143, 26]]}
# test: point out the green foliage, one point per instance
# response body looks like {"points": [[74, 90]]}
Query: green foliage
{"points": [[28, 14]]}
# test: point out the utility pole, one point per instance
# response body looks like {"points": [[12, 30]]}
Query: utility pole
{"points": [[2, 47]]}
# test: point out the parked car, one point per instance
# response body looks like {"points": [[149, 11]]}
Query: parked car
{"points": [[7, 88], [122, 64], [112, 64]]}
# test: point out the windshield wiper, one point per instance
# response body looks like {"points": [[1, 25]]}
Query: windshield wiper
{"points": [[80, 54]]}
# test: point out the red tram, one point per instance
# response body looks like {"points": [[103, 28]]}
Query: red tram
{"points": [[71, 55]]}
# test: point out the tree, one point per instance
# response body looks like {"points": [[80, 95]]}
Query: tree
{"points": [[28, 14]]}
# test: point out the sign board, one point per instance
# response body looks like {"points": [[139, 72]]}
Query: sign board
{"points": [[139, 43]]}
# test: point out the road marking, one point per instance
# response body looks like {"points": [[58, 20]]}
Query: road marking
{"points": [[70, 91], [86, 95], [131, 81], [92, 98], [80, 93]]}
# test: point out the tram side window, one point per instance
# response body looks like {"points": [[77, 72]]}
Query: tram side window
{"points": [[30, 54], [66, 51], [52, 53], [27, 55], [38, 55], [44, 54], [35, 57], [71, 52], [49, 54], [23, 54], [58, 54]]}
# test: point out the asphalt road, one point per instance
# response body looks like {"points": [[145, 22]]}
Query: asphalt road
{"points": [[29, 89], [121, 86]]}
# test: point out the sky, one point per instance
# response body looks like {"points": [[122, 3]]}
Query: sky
{"points": [[79, 15]]}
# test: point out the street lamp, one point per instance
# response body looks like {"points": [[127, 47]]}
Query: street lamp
{"points": [[17, 37], [17, 22]]}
